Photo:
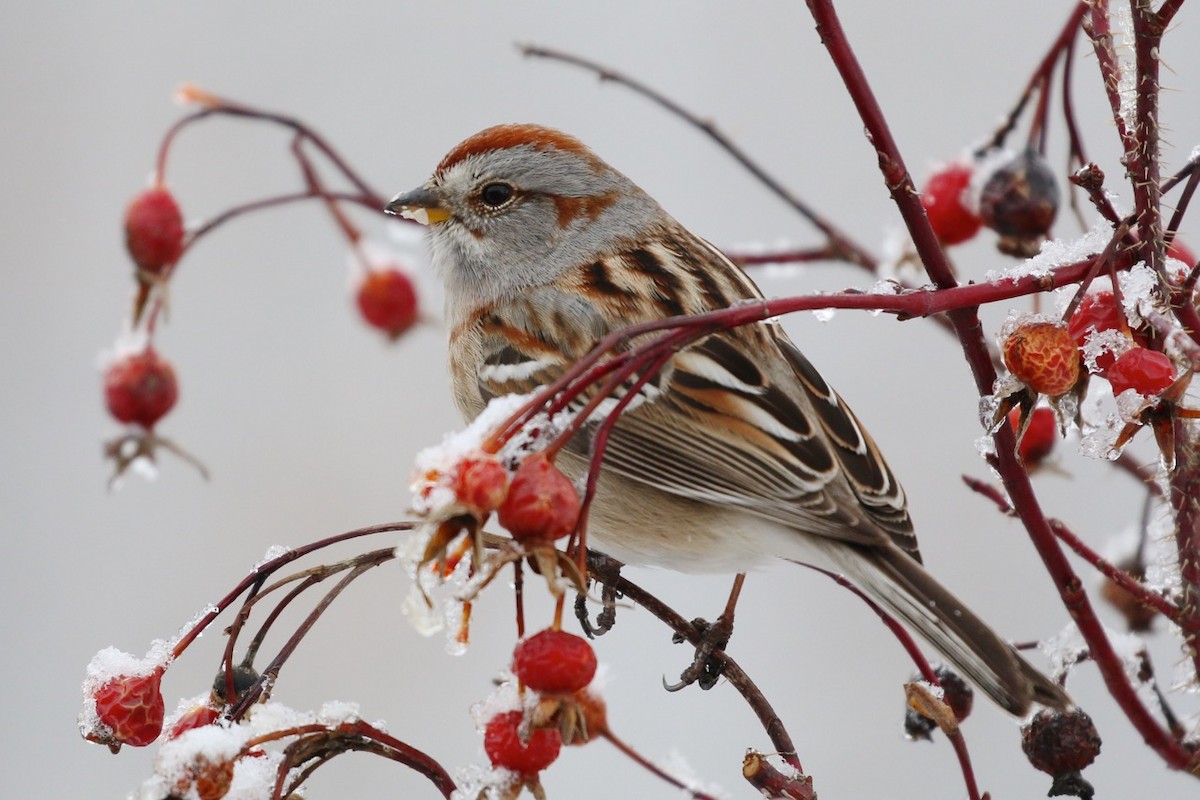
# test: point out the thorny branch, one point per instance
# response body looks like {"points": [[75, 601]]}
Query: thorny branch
{"points": [[970, 331]]}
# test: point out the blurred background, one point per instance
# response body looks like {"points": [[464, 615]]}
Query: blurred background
{"points": [[309, 421]]}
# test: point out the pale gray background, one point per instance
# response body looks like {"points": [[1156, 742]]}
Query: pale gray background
{"points": [[309, 422]]}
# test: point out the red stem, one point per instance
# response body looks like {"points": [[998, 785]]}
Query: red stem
{"points": [[262, 571], [918, 658], [970, 332]]}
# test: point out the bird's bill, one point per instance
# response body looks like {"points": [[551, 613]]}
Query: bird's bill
{"points": [[420, 205]]}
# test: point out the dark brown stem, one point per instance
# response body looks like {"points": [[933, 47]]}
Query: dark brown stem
{"points": [[927, 672], [271, 672], [308, 578], [1040, 79], [270, 202], [650, 766], [320, 744], [606, 571], [260, 573], [1142, 162], [839, 244], [1185, 502]]}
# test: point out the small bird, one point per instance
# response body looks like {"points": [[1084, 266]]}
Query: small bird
{"points": [[739, 451]]}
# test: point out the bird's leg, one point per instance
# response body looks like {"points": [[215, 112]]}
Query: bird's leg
{"points": [[714, 636], [606, 571]]}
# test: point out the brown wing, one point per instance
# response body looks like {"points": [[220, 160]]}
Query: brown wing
{"points": [[739, 418]]}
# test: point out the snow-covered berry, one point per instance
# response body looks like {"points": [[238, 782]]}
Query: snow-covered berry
{"points": [[130, 710], [481, 483], [195, 717], [554, 662], [208, 778], [154, 230]]}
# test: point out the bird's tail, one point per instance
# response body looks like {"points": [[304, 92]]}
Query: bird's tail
{"points": [[908, 591]]}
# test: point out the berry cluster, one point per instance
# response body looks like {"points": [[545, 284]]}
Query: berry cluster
{"points": [[139, 383]]}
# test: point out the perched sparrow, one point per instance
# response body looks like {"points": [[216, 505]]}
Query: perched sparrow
{"points": [[740, 451]]}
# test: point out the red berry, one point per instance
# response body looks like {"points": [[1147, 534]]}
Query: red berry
{"points": [[1019, 201], [1097, 311], [1179, 250], [1057, 742], [210, 778], [1147, 371], [502, 742], [481, 483], [132, 708], [195, 717], [1041, 434], [1044, 357], [140, 388], [154, 230], [542, 505], [554, 662], [387, 299], [946, 205]]}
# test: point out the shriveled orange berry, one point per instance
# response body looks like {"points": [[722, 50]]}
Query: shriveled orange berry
{"points": [[1044, 357]]}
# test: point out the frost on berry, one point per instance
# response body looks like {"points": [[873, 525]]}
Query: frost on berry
{"points": [[387, 300], [523, 751], [154, 230], [554, 662], [1043, 356], [1019, 200], [948, 205], [193, 714], [481, 483], [140, 388], [542, 504], [122, 698], [1097, 311]]}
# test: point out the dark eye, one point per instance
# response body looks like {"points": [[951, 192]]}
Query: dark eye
{"points": [[496, 194]]}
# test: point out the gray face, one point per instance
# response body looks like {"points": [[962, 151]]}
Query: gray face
{"points": [[522, 216]]}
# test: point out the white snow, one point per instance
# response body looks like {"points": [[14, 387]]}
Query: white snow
{"points": [[1121, 20], [273, 552], [1100, 342], [1056, 253], [1139, 291], [110, 664]]}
